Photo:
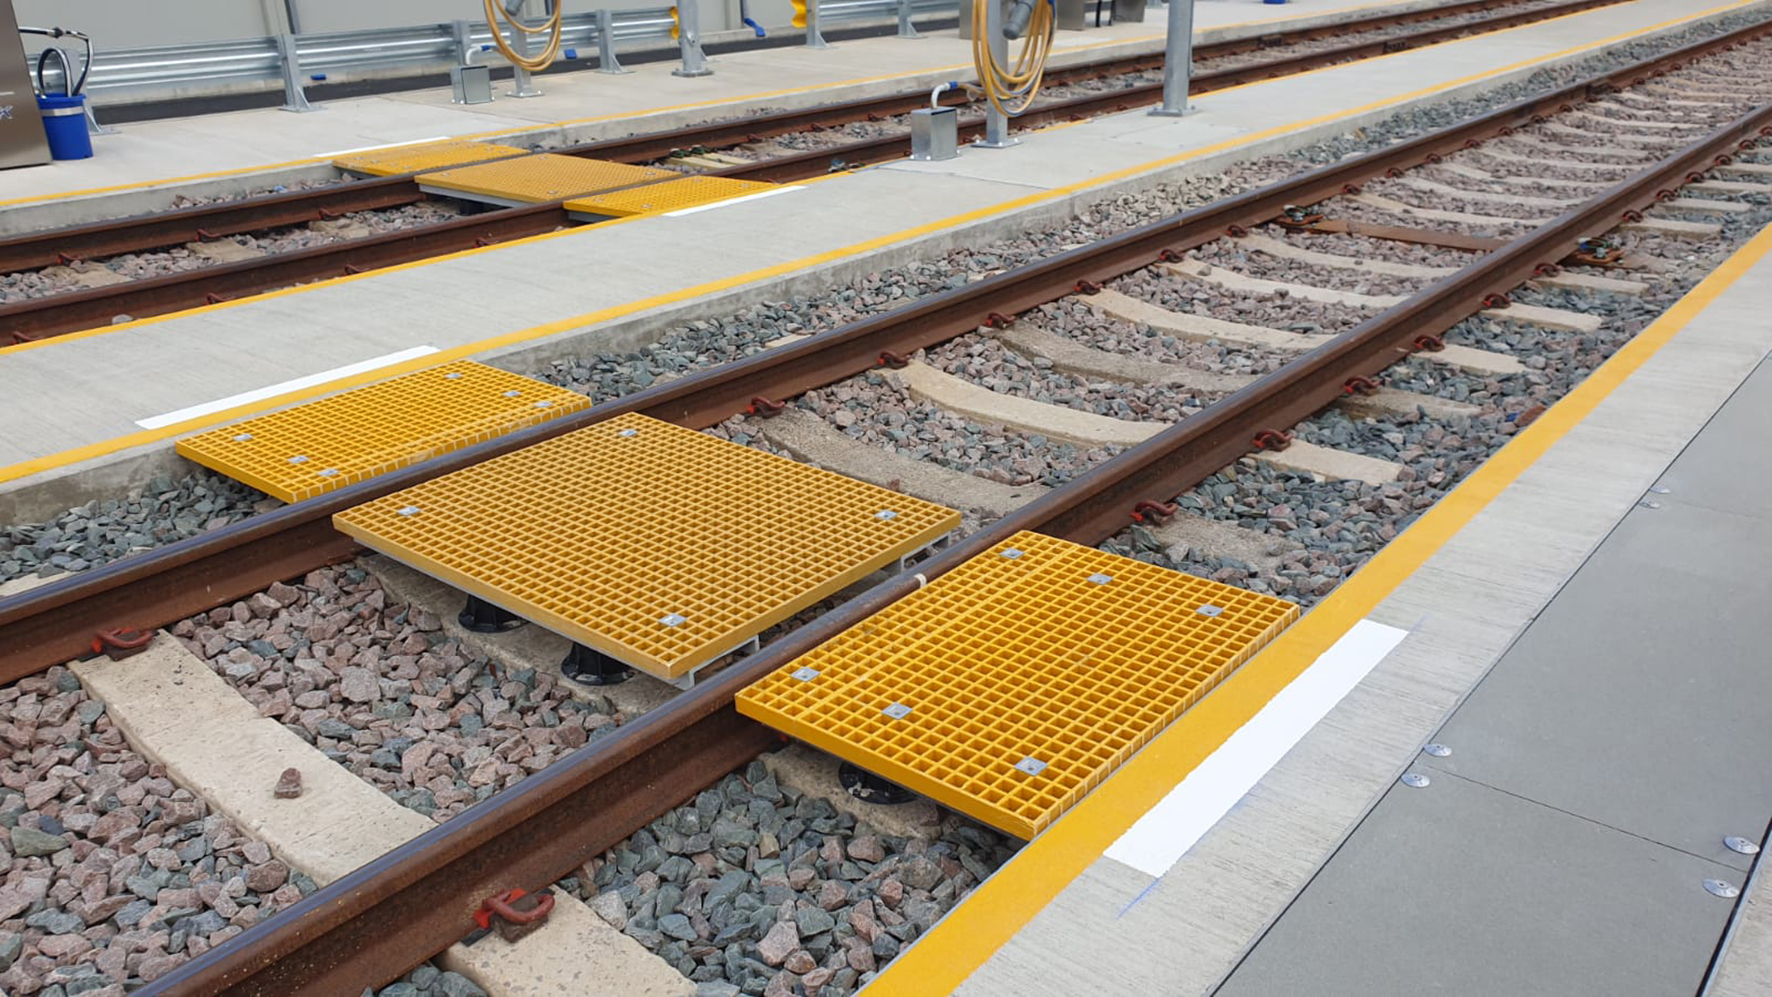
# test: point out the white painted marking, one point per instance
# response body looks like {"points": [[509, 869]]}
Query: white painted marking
{"points": [[384, 145], [283, 387], [1163, 835], [732, 200]]}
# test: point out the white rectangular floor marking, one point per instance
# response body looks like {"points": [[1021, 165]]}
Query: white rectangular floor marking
{"points": [[731, 200], [1164, 834], [384, 145], [284, 387]]}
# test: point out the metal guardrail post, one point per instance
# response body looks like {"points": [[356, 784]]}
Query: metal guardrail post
{"points": [[464, 41], [293, 97], [1178, 60], [996, 123], [905, 29], [813, 38], [522, 84], [695, 62], [606, 60]]}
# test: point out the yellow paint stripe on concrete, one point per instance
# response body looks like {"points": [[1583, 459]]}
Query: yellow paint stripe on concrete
{"points": [[90, 451], [941, 960]]}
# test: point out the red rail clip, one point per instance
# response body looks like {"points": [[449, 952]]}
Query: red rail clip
{"points": [[1665, 195], [1236, 231], [1272, 439], [1169, 256], [765, 407], [204, 233], [998, 320], [1547, 270], [214, 298], [1430, 343], [484, 241], [1360, 386], [1431, 158], [66, 260], [1088, 287], [327, 214], [514, 913], [1351, 188], [894, 360], [121, 643], [1632, 215], [1496, 301], [1153, 512]]}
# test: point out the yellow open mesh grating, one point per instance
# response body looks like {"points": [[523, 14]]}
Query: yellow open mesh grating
{"points": [[660, 546], [422, 156], [672, 195], [304, 451], [543, 177], [1014, 684]]}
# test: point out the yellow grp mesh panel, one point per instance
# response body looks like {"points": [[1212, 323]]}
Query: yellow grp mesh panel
{"points": [[672, 195], [422, 156], [544, 177], [304, 451], [658, 545], [1014, 684]]}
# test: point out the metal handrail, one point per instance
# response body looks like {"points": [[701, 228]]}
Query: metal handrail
{"points": [[204, 68]]}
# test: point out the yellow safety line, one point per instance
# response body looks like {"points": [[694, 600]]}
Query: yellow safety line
{"points": [[89, 451], [971, 933], [626, 115]]}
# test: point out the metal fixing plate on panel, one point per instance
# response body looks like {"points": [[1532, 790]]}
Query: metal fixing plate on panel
{"points": [[421, 156], [1031, 680], [342, 439], [542, 177], [658, 545]]}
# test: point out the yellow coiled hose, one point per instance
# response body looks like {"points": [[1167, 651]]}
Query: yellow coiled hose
{"points": [[1012, 91], [495, 13]]}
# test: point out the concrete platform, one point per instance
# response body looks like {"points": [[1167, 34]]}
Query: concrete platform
{"points": [[152, 161], [199, 368], [1503, 758]]}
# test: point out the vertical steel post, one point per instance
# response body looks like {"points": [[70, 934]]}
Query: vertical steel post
{"points": [[996, 123], [813, 38], [695, 63], [522, 84], [606, 60], [293, 97], [1178, 60], [905, 28]]}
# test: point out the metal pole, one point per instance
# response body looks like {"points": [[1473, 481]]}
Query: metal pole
{"points": [[522, 84], [996, 123], [606, 60], [464, 41], [294, 18], [695, 63], [1178, 60], [813, 38], [293, 97], [905, 29]]}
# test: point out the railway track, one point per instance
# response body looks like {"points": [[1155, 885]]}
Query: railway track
{"points": [[368, 224], [1296, 242]]}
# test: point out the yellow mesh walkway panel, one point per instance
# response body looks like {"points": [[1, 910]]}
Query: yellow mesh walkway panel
{"points": [[1014, 684], [672, 195], [423, 156], [660, 546], [304, 451], [541, 178]]}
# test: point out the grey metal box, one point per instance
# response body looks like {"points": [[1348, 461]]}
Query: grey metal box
{"points": [[473, 84], [935, 133]]}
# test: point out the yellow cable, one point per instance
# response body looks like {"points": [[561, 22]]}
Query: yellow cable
{"points": [[496, 13], [1012, 91]]}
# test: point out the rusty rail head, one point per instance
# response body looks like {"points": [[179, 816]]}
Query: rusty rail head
{"points": [[341, 937]]}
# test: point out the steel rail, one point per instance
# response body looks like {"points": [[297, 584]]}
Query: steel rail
{"points": [[374, 923], [169, 228]]}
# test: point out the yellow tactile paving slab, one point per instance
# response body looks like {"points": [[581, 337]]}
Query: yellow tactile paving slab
{"points": [[541, 178], [1014, 684], [672, 195], [422, 156], [654, 544], [304, 451]]}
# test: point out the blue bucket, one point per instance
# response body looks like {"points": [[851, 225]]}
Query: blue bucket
{"points": [[64, 121]]}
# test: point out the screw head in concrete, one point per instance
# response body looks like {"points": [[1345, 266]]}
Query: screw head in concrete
{"points": [[1737, 843], [1415, 780], [1660, 489], [1436, 749], [1719, 888], [1649, 504]]}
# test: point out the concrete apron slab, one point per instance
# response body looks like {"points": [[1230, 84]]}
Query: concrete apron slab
{"points": [[176, 711], [49, 492], [159, 192]]}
